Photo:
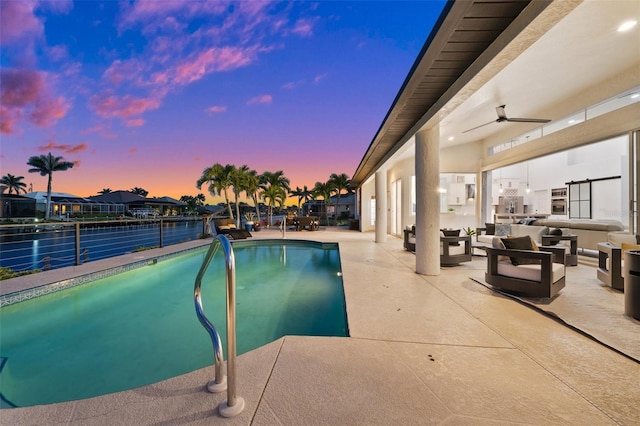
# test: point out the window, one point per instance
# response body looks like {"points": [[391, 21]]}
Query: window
{"points": [[413, 195], [373, 211], [580, 200]]}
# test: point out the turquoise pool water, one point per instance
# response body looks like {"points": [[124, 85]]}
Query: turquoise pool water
{"points": [[140, 327]]}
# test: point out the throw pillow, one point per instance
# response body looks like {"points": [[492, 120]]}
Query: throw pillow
{"points": [[503, 229], [519, 243], [496, 242], [491, 228]]}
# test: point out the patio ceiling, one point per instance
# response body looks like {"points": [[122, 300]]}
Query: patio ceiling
{"points": [[467, 68]]}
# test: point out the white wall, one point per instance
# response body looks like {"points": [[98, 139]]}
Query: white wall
{"points": [[594, 161]]}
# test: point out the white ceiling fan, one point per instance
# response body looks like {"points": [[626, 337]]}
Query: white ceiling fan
{"points": [[502, 116]]}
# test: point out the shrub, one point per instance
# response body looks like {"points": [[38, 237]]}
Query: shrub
{"points": [[6, 273]]}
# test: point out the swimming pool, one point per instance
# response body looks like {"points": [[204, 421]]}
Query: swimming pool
{"points": [[140, 327]]}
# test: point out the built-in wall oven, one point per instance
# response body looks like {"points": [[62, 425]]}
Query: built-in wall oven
{"points": [[559, 207], [559, 201]]}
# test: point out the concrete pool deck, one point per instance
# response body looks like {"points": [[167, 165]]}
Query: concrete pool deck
{"points": [[422, 350]]}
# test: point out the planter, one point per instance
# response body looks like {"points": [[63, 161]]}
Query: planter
{"points": [[248, 226]]}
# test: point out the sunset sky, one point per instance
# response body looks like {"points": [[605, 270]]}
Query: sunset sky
{"points": [[149, 93]]}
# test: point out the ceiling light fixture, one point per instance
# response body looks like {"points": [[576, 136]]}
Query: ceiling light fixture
{"points": [[627, 25], [450, 138], [501, 190], [528, 190]]}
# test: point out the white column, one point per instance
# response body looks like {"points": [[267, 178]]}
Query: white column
{"points": [[381, 206], [428, 202]]}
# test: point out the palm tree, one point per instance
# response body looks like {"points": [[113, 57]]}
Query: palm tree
{"points": [[140, 191], [252, 188], [46, 165], [105, 191], [339, 183], [297, 193], [275, 179], [193, 202], [237, 178], [280, 183], [13, 183], [307, 194], [218, 177], [273, 195], [324, 190]]}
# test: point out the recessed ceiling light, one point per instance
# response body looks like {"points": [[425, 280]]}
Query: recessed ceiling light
{"points": [[451, 138], [626, 26]]}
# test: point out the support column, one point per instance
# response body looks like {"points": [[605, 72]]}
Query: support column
{"points": [[428, 201], [381, 206]]}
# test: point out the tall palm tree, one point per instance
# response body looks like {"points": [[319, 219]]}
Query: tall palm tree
{"points": [[140, 191], [339, 183], [218, 178], [13, 183], [297, 193], [237, 178], [46, 165], [274, 195], [105, 191], [303, 194], [279, 182], [275, 179], [324, 190], [252, 188]]}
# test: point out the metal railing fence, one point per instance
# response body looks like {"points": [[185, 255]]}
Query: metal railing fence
{"points": [[43, 246]]}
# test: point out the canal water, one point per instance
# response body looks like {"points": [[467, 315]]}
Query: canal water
{"points": [[50, 247]]}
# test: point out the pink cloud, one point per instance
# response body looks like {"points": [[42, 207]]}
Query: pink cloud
{"points": [[111, 106], [133, 150], [99, 129], [135, 122], [318, 78], [18, 21], [262, 99], [293, 84], [58, 53], [212, 60], [303, 27], [120, 71], [153, 14], [65, 148], [25, 95], [216, 108]]}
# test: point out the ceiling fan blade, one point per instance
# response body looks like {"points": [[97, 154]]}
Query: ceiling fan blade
{"points": [[528, 120], [477, 127], [501, 113]]}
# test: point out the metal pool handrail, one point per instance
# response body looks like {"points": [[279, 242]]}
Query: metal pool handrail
{"points": [[234, 404]]}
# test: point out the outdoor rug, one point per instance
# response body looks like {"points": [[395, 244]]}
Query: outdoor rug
{"points": [[591, 308]]}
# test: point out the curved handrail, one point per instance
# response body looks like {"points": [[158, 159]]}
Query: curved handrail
{"points": [[234, 405]]}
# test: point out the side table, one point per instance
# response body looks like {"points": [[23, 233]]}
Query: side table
{"points": [[571, 259]]}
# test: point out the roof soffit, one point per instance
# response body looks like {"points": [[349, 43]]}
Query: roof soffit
{"points": [[465, 34]]}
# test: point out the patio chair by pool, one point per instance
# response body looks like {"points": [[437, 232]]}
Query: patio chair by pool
{"points": [[228, 227], [454, 248], [518, 268]]}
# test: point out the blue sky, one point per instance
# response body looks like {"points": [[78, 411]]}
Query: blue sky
{"points": [[149, 93]]}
